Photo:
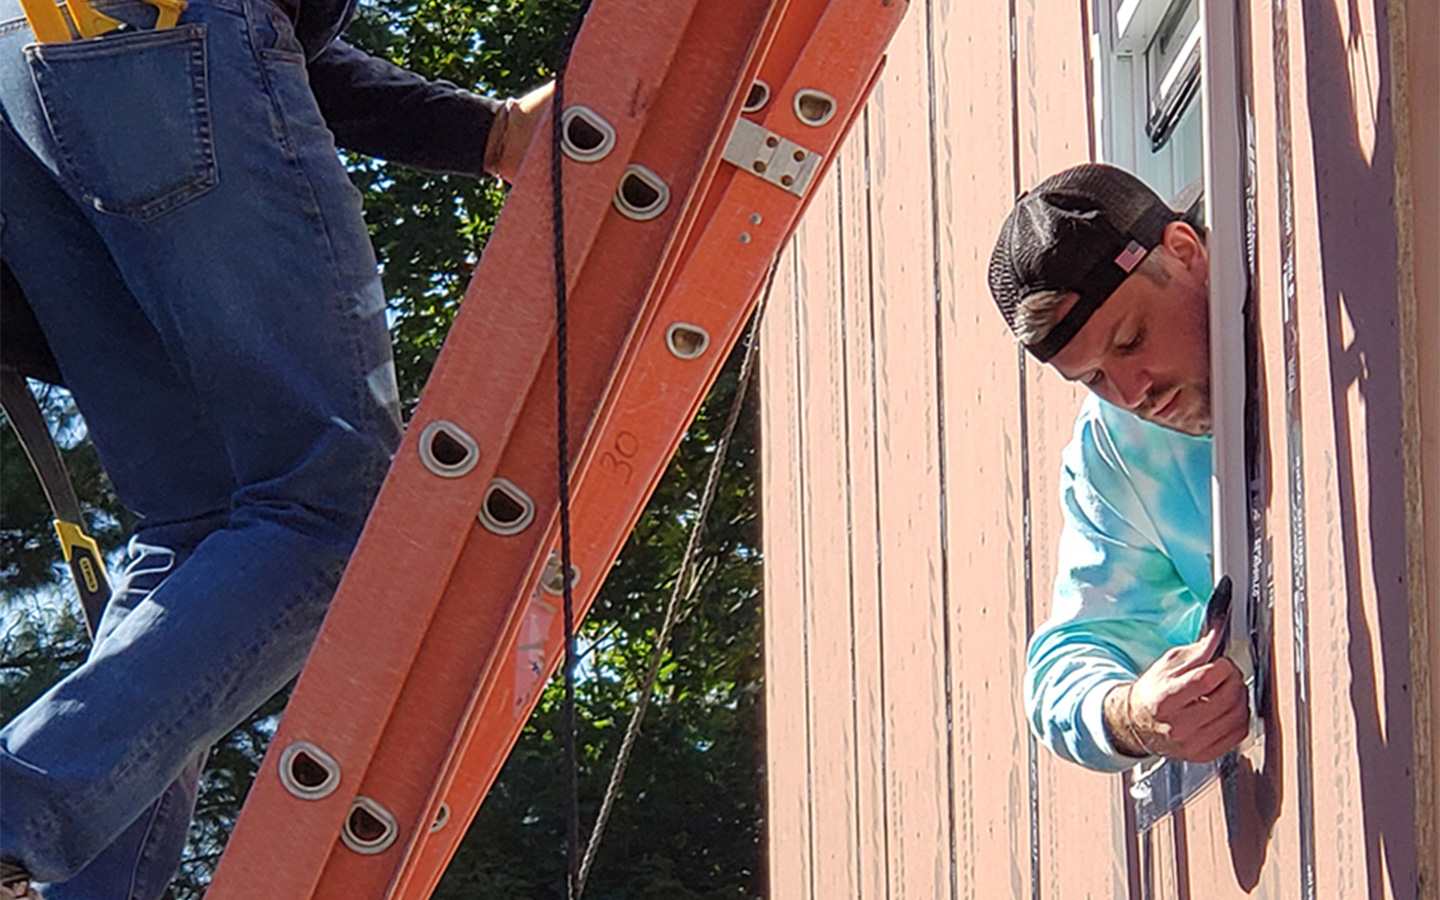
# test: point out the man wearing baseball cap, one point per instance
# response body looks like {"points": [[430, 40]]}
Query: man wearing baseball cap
{"points": [[1100, 279]]}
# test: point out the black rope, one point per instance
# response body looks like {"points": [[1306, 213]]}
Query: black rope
{"points": [[684, 588], [562, 402]]}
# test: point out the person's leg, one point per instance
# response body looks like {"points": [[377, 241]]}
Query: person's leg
{"points": [[240, 238], [161, 428], [141, 862]]}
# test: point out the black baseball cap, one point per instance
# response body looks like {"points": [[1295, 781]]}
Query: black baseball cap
{"points": [[1082, 230]]}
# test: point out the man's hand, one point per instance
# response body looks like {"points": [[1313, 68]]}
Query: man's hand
{"points": [[514, 130], [1188, 705]]}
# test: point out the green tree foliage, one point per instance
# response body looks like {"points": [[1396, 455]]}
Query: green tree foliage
{"points": [[428, 230], [688, 822]]}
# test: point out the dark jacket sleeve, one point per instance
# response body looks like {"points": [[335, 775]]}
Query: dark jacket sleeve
{"points": [[379, 109]]}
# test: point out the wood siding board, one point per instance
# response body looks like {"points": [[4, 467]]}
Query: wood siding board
{"points": [[909, 486], [1421, 99], [1053, 117], [788, 819], [1221, 868], [934, 33], [1354, 154], [985, 527], [1349, 651], [826, 548], [858, 382], [1165, 861]]}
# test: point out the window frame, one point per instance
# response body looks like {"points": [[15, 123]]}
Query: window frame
{"points": [[1123, 32]]}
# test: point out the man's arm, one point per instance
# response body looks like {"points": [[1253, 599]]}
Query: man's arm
{"points": [[379, 109], [1133, 571]]}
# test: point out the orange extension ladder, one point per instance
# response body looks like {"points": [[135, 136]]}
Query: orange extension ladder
{"points": [[694, 134]]}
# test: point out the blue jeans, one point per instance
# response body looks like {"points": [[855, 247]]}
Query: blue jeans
{"points": [[175, 210]]}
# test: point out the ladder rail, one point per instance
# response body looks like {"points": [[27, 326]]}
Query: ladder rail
{"points": [[461, 637], [654, 374]]}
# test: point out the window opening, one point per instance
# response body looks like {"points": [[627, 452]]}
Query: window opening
{"points": [[1147, 109], [1162, 93]]}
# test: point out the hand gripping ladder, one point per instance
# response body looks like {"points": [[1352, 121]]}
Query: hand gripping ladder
{"points": [[440, 633]]}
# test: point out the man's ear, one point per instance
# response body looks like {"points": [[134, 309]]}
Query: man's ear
{"points": [[1184, 244]]}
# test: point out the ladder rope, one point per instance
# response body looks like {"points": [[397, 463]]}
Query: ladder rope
{"points": [[562, 440], [672, 609]]}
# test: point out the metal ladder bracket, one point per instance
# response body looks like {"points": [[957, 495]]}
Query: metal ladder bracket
{"points": [[766, 155]]}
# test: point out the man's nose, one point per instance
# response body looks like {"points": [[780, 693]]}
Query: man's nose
{"points": [[1132, 385]]}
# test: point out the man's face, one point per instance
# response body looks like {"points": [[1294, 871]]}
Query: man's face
{"points": [[1147, 348]]}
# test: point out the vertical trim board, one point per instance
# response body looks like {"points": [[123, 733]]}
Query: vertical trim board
{"points": [[787, 821], [834, 865], [981, 412], [908, 504], [866, 548]]}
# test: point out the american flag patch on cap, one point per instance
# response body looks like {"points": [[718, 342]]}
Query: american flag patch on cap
{"points": [[1130, 257]]}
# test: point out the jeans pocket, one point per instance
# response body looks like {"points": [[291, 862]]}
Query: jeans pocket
{"points": [[129, 115], [274, 36]]}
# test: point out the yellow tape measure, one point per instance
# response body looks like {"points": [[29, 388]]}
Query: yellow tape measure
{"points": [[51, 27]]}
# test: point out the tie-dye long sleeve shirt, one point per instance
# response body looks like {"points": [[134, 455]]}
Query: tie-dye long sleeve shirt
{"points": [[1133, 576]]}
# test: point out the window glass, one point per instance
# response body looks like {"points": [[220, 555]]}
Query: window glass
{"points": [[1172, 71], [1148, 104]]}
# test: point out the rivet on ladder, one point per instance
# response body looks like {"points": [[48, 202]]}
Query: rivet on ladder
{"points": [[584, 135], [642, 194], [370, 828], [308, 772], [550, 581], [506, 509], [686, 341], [442, 818], [757, 98], [447, 450], [814, 107]]}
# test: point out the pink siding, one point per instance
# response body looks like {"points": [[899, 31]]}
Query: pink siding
{"points": [[787, 729], [908, 477], [895, 454], [833, 813], [985, 517]]}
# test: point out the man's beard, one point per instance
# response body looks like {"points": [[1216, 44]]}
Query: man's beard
{"points": [[1192, 413]]}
